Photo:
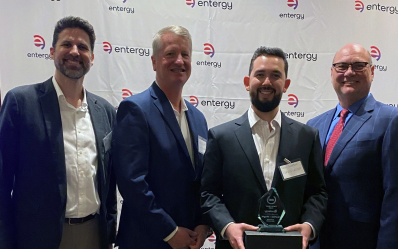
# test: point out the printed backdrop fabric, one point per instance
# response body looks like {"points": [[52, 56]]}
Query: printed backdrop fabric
{"points": [[225, 35]]}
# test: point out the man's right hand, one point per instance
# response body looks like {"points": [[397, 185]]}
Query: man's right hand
{"points": [[183, 238], [234, 233]]}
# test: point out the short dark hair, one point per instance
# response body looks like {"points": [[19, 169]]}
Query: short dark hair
{"points": [[74, 22], [269, 51]]}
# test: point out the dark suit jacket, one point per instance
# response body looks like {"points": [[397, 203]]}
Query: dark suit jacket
{"points": [[362, 179], [159, 184], [32, 168], [233, 181]]}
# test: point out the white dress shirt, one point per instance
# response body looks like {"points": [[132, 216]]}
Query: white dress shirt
{"points": [[267, 142], [80, 158]]}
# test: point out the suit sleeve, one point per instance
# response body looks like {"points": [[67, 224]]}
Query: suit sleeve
{"points": [[315, 196], [387, 237], [214, 210], [8, 163], [131, 154], [111, 200]]}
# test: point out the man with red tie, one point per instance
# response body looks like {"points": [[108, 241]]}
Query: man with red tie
{"points": [[361, 156]]}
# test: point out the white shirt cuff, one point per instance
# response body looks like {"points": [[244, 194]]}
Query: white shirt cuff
{"points": [[223, 231], [313, 231], [170, 235]]}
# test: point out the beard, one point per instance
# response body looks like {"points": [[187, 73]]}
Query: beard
{"points": [[265, 105], [72, 72]]}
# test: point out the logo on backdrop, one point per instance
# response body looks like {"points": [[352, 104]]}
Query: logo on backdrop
{"points": [[107, 47], [222, 103], [211, 3], [126, 93], [292, 3], [376, 54], [124, 9], [193, 100], [209, 49], [359, 6], [292, 100], [302, 56], [190, 2], [39, 41], [393, 105], [125, 49]]}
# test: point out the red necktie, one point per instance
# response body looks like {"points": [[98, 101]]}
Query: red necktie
{"points": [[335, 135]]}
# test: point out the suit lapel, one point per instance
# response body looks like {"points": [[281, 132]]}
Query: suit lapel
{"points": [[324, 127], [98, 122], [284, 146], [163, 105], [53, 125], [354, 124], [194, 138], [244, 135]]}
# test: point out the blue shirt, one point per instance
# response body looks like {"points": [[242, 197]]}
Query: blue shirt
{"points": [[353, 109]]}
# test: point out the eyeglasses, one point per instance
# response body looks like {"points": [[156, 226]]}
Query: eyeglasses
{"points": [[342, 67]]}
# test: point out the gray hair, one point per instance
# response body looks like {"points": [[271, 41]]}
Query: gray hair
{"points": [[178, 30]]}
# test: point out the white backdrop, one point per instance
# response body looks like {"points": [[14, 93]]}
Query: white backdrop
{"points": [[225, 35]]}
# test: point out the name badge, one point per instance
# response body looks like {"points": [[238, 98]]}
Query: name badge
{"points": [[292, 170], [201, 145]]}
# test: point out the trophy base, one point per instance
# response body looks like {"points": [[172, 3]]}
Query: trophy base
{"points": [[288, 240], [271, 228]]}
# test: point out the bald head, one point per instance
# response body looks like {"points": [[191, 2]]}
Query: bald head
{"points": [[353, 48]]}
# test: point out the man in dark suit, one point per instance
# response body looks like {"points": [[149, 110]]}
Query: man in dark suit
{"points": [[361, 160], [243, 157], [159, 142], [57, 189]]}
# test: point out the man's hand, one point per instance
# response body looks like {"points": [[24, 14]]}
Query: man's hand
{"points": [[304, 229], [234, 233], [201, 230], [183, 238]]}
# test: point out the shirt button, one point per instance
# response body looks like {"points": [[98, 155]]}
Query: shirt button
{"points": [[80, 152], [266, 160]]}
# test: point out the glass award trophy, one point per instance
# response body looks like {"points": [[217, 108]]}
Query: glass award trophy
{"points": [[271, 212]]}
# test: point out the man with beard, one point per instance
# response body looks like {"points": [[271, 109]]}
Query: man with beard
{"points": [[57, 189], [243, 159]]}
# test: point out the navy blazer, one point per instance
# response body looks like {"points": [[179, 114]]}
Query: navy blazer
{"points": [[32, 168], [362, 179], [155, 175], [233, 180]]}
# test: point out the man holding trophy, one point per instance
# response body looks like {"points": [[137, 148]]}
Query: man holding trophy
{"points": [[263, 167]]}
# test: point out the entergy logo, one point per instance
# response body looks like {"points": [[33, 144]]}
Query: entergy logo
{"points": [[375, 52], [359, 6], [190, 2], [107, 47], [209, 49], [193, 100], [292, 100], [126, 93], [39, 41], [212, 238], [292, 3]]}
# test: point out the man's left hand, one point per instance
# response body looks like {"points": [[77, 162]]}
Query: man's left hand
{"points": [[304, 229], [201, 230]]}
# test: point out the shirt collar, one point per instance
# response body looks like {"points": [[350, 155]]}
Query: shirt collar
{"points": [[61, 96], [183, 105], [253, 118], [352, 108]]}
